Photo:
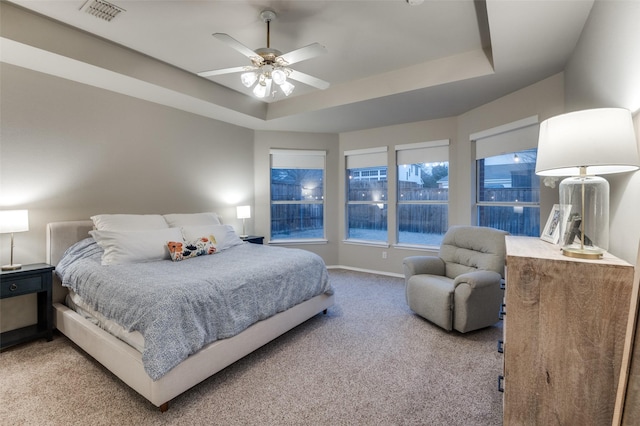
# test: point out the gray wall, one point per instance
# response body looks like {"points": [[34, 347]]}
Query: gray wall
{"points": [[266, 140], [70, 151], [605, 72], [370, 257], [544, 99]]}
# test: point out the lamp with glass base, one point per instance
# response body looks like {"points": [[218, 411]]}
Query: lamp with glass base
{"points": [[587, 229], [581, 145]]}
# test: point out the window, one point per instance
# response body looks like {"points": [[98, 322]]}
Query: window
{"points": [[508, 190], [423, 192], [297, 195], [367, 194]]}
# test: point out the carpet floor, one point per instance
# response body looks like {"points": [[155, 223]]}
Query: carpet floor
{"points": [[369, 361]]}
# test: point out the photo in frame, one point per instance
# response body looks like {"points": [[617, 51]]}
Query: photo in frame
{"points": [[556, 223]]}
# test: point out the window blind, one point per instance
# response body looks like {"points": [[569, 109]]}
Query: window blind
{"points": [[423, 152], [362, 158], [297, 159], [512, 137]]}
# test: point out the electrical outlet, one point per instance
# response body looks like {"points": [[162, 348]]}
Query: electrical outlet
{"points": [[384, 254]]}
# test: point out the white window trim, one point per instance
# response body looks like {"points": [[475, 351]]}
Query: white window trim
{"points": [[298, 241], [370, 158], [421, 247], [373, 243]]}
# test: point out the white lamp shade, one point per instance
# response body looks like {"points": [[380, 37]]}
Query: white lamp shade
{"points": [[244, 212], [14, 221], [602, 140]]}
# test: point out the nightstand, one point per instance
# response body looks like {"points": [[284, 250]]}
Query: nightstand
{"points": [[253, 239], [35, 278]]}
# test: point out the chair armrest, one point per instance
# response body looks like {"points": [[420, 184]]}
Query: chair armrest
{"points": [[478, 279], [415, 265]]}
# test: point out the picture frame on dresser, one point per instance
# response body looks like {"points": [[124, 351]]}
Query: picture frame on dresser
{"points": [[556, 223]]}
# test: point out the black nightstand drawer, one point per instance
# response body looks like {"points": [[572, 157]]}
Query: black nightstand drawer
{"points": [[17, 286], [254, 239], [35, 279]]}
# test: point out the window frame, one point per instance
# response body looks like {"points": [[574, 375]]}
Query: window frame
{"points": [[369, 158], [428, 153], [294, 158], [509, 139]]}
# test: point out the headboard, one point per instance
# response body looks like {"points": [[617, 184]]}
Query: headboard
{"points": [[61, 236]]}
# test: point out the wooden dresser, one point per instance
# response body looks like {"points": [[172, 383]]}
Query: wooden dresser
{"points": [[564, 335]]}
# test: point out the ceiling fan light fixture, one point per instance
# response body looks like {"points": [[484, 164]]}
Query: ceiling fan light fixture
{"points": [[268, 87], [248, 78], [260, 90], [279, 76], [287, 88]]}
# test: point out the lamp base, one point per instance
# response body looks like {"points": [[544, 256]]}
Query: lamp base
{"points": [[586, 230], [593, 253], [12, 267]]}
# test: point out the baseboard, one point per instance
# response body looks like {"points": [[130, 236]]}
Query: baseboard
{"points": [[369, 271]]}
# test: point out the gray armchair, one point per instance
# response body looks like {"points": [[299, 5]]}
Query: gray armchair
{"points": [[460, 288]]}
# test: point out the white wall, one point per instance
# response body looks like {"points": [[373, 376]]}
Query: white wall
{"points": [[605, 72]]}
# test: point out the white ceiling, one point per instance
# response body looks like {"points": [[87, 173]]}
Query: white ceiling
{"points": [[388, 62]]}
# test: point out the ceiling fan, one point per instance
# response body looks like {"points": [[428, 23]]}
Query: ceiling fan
{"points": [[269, 66]]}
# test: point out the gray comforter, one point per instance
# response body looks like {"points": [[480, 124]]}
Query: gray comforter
{"points": [[181, 306]]}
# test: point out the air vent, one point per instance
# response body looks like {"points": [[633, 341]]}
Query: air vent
{"points": [[101, 9]]}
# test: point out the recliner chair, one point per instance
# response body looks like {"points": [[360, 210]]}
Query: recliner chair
{"points": [[460, 288]]}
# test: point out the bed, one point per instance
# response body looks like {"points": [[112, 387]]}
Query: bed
{"points": [[127, 362]]}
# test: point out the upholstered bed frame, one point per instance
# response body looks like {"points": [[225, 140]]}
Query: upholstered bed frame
{"points": [[126, 362]]}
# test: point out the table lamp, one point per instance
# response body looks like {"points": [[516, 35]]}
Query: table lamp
{"points": [[13, 221], [581, 145], [244, 212]]}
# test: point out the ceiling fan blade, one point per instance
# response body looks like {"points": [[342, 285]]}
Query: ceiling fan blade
{"points": [[223, 71], [235, 44], [308, 80], [304, 53]]}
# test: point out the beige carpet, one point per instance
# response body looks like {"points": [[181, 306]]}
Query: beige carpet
{"points": [[369, 361]]}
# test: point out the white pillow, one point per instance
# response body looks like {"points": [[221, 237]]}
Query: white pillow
{"points": [[128, 222], [224, 234], [122, 247], [177, 220]]}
